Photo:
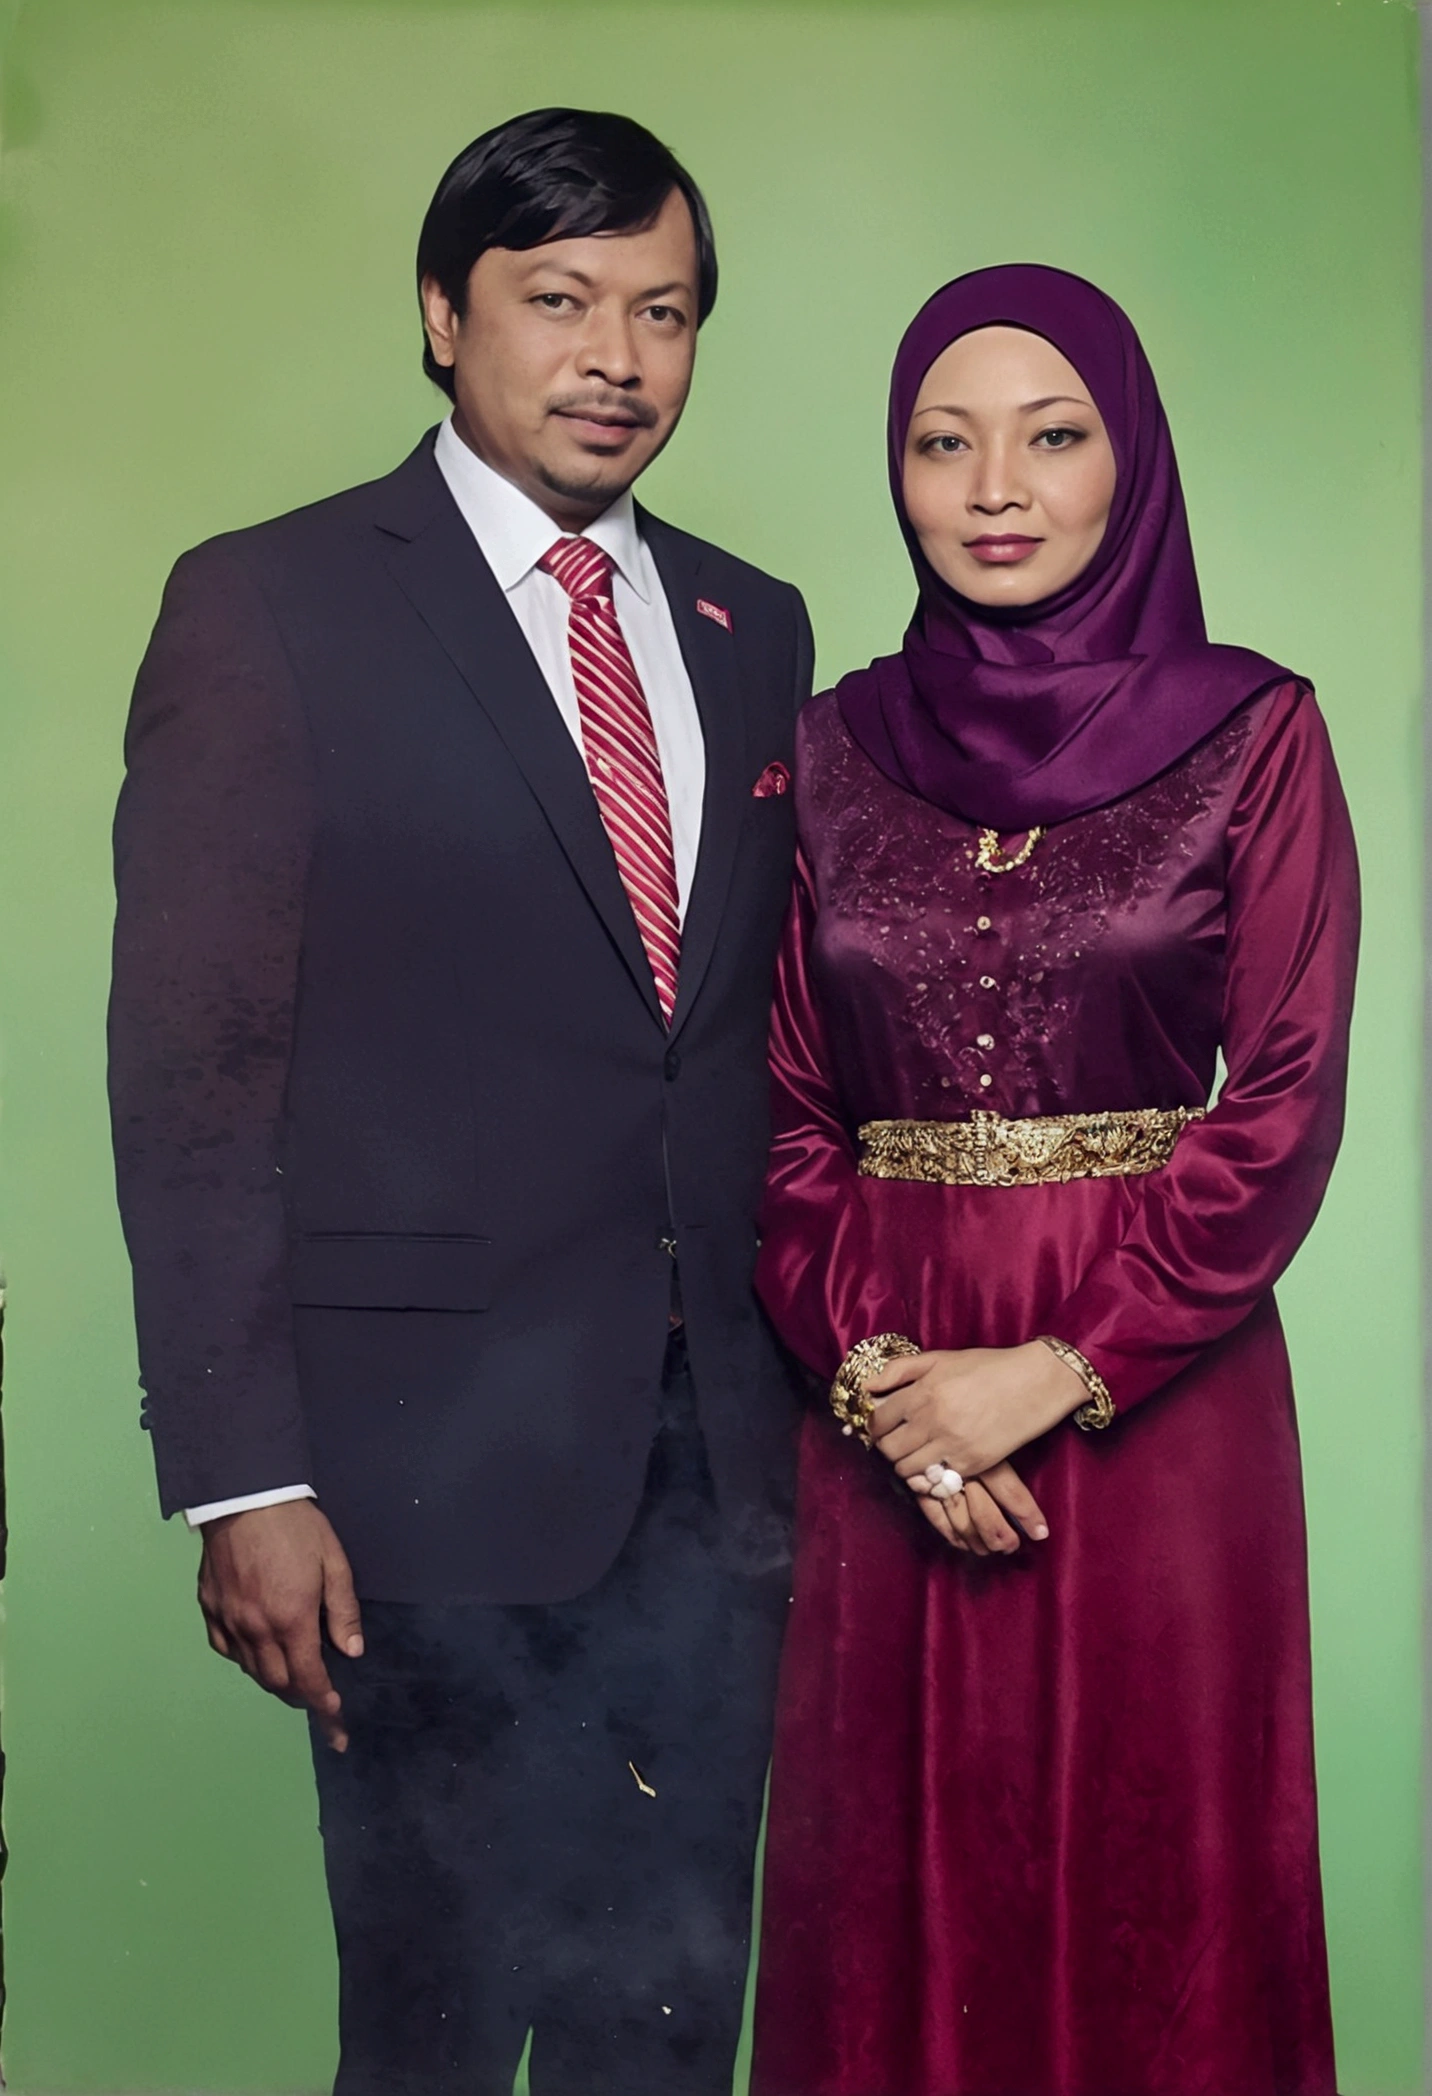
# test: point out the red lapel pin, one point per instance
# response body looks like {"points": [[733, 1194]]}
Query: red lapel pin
{"points": [[718, 612]]}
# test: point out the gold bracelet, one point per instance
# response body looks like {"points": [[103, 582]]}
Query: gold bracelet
{"points": [[850, 1401], [1100, 1410]]}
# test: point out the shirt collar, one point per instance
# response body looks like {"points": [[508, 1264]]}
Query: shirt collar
{"points": [[513, 533]]}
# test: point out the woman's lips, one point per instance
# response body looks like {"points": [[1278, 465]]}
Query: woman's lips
{"points": [[1002, 552]]}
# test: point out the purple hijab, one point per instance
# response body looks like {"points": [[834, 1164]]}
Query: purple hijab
{"points": [[1014, 717]]}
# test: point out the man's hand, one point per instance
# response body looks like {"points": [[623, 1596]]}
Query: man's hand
{"points": [[263, 1580], [970, 1409]]}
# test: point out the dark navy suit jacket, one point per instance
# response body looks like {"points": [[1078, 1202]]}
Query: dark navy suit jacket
{"points": [[401, 1137]]}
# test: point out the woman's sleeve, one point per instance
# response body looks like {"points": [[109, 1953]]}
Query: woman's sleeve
{"points": [[816, 1274], [1213, 1231]]}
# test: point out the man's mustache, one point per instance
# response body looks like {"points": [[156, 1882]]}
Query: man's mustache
{"points": [[629, 407]]}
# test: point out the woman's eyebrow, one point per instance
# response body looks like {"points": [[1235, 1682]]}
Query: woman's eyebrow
{"points": [[1030, 407]]}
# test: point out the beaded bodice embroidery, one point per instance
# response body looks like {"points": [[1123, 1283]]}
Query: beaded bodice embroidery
{"points": [[1088, 978]]}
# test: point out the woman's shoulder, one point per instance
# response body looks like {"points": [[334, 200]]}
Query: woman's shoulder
{"points": [[1286, 696], [1281, 713], [822, 737], [1288, 758], [833, 774], [1286, 713], [820, 717]]}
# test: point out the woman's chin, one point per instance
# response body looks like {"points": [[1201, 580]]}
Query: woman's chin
{"points": [[1001, 586]]}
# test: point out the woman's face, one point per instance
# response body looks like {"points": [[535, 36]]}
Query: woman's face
{"points": [[1009, 472]]}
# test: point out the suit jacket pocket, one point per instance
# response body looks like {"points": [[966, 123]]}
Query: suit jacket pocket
{"points": [[364, 1271]]}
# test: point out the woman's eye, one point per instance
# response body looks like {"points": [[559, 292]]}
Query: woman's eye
{"points": [[946, 444], [1058, 439]]}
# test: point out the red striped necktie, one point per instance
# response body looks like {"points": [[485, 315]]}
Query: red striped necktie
{"points": [[623, 761]]}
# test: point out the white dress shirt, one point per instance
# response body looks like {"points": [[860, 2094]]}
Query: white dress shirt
{"points": [[512, 534]]}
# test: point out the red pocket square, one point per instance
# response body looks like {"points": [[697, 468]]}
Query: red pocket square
{"points": [[774, 780]]}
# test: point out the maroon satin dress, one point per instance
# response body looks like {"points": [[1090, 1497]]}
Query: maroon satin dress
{"points": [[1046, 1826]]}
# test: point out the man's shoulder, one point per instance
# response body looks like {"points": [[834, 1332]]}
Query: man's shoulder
{"points": [[289, 544], [722, 568]]}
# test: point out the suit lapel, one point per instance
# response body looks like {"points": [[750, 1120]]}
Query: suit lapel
{"points": [[709, 653], [436, 563]]}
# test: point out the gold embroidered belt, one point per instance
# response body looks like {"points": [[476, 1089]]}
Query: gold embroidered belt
{"points": [[1045, 1150]]}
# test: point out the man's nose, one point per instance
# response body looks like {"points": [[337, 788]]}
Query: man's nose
{"points": [[609, 350]]}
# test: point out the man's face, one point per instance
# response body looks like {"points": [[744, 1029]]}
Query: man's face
{"points": [[573, 360]]}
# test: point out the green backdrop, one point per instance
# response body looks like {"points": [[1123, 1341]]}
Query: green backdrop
{"points": [[206, 316]]}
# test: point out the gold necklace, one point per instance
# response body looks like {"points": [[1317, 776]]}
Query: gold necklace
{"points": [[991, 859]]}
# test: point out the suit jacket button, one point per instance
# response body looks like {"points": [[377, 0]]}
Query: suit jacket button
{"points": [[672, 1065]]}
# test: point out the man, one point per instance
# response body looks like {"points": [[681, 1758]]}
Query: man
{"points": [[451, 861]]}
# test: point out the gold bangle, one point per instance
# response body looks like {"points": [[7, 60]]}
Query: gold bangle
{"points": [[850, 1401], [1100, 1410]]}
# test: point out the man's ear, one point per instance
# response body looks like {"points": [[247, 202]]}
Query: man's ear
{"points": [[440, 321]]}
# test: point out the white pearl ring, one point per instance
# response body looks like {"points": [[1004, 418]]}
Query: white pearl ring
{"points": [[945, 1483]]}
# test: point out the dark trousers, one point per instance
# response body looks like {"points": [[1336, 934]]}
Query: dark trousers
{"points": [[496, 1861]]}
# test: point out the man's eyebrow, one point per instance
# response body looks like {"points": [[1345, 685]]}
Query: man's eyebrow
{"points": [[1030, 407], [540, 262], [580, 276]]}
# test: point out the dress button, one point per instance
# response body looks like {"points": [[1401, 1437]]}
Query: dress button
{"points": [[986, 1040], [672, 1065], [986, 1079], [986, 982], [982, 924]]}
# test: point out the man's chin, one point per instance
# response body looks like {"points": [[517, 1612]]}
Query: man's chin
{"points": [[591, 483]]}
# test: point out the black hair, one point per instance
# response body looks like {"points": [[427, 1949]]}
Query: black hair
{"points": [[553, 174]]}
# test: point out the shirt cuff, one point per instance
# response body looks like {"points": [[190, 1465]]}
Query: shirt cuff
{"points": [[197, 1516]]}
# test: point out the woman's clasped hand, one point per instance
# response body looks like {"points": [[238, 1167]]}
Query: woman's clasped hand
{"points": [[969, 1411]]}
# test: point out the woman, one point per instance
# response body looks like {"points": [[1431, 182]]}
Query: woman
{"points": [[1042, 1816]]}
